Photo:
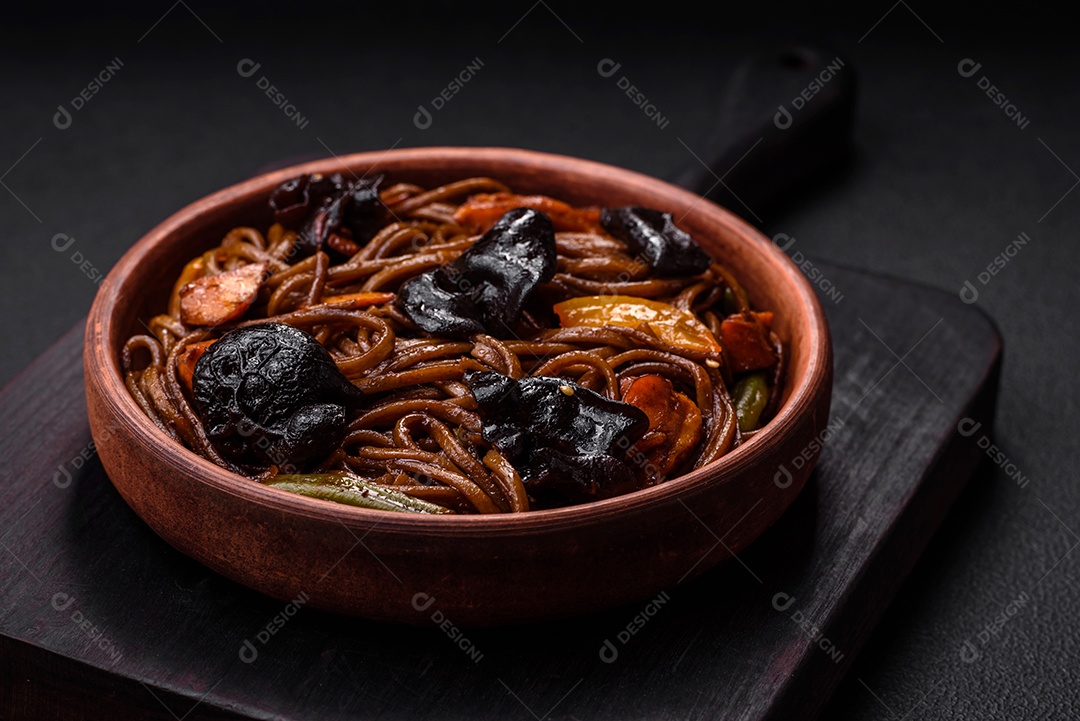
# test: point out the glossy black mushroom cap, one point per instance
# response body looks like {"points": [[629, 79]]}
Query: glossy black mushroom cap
{"points": [[484, 290], [321, 205], [568, 442], [668, 249], [271, 394]]}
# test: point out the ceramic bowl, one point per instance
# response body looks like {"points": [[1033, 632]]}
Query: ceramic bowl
{"points": [[477, 570]]}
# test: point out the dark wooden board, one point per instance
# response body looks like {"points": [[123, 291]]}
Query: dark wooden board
{"points": [[143, 631]]}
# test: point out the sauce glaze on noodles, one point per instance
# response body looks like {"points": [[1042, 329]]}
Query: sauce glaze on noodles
{"points": [[419, 432]]}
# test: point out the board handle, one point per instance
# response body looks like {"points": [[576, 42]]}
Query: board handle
{"points": [[786, 123]]}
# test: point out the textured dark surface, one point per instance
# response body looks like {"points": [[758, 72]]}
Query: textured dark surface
{"points": [[941, 183], [893, 464]]}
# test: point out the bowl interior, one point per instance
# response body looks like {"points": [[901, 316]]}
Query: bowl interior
{"points": [[139, 286]]}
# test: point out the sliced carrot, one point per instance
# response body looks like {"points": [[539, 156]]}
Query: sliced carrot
{"points": [[220, 298], [481, 211], [746, 343], [674, 422], [189, 356], [358, 300], [343, 245]]}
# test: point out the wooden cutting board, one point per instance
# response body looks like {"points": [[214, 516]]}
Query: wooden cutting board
{"points": [[99, 618]]}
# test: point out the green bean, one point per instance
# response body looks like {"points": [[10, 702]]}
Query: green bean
{"points": [[729, 302], [751, 396], [354, 491]]}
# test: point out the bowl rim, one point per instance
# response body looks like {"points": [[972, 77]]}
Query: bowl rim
{"points": [[98, 356]]}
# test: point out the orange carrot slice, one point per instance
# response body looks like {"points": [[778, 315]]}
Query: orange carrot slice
{"points": [[674, 422], [220, 298], [358, 300], [185, 364], [480, 212], [747, 343]]}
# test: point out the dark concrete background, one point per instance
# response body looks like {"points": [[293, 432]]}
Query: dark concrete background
{"points": [[941, 184]]}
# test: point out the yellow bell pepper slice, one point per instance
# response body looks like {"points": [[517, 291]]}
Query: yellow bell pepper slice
{"points": [[672, 325]]}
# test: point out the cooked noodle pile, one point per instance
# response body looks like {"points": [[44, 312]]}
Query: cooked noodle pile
{"points": [[418, 429]]}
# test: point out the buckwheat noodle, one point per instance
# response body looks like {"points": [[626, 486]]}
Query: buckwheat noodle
{"points": [[420, 421]]}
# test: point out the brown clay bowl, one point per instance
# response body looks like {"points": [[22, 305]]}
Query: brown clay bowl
{"points": [[475, 570]]}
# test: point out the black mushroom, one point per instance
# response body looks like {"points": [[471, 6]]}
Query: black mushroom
{"points": [[568, 443], [332, 213], [484, 290], [668, 249], [270, 394], [295, 199]]}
